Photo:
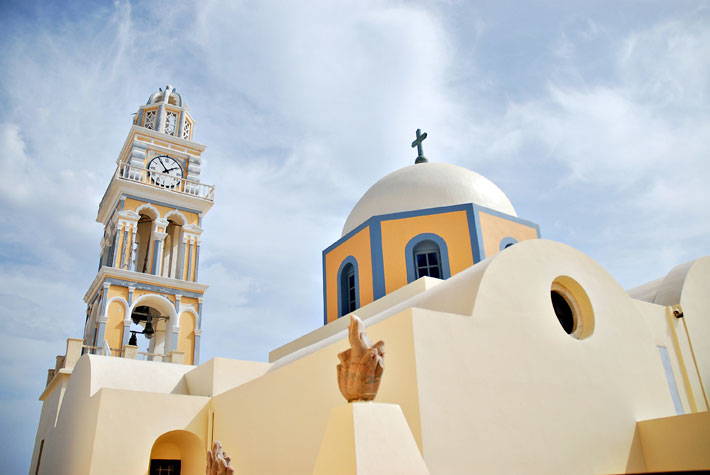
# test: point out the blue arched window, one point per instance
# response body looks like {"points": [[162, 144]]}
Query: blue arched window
{"points": [[427, 260], [506, 242], [348, 287], [427, 255]]}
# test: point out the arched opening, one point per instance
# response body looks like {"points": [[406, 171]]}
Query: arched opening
{"points": [[427, 256], [172, 249], [348, 287], [177, 452], [143, 233], [150, 317]]}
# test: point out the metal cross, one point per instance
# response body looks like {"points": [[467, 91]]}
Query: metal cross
{"points": [[418, 143]]}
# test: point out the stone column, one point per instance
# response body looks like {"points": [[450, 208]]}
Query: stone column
{"points": [[126, 331], [196, 354], [189, 260], [197, 257], [101, 330], [180, 270], [134, 248], [181, 124], [125, 249], [114, 249], [100, 334], [160, 120], [158, 237], [171, 338], [127, 318], [199, 312]]}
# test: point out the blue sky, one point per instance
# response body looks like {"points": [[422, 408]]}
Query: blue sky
{"points": [[593, 117]]}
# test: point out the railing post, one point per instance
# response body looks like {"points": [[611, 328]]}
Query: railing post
{"points": [[177, 357], [130, 352]]}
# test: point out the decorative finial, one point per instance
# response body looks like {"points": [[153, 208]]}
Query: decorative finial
{"points": [[361, 366], [418, 143]]}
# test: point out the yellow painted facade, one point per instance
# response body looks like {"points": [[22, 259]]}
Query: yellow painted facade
{"points": [[396, 233], [495, 228], [358, 246]]}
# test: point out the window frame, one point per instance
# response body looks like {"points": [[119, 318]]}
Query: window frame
{"points": [[344, 290], [443, 255]]}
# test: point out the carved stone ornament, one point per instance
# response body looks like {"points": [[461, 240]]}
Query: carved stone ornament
{"points": [[361, 366], [218, 461]]}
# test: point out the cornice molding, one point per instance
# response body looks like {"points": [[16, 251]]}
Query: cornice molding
{"points": [[150, 279]]}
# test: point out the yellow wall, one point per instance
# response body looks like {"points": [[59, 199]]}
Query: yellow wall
{"points": [[677, 443], [451, 227], [116, 314], [357, 246], [275, 424], [495, 228], [186, 336], [114, 327]]}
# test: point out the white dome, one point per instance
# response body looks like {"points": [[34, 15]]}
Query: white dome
{"points": [[427, 185]]}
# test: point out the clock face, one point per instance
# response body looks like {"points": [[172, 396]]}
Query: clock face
{"points": [[165, 171]]}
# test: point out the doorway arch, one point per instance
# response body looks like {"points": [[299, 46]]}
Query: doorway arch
{"points": [[180, 446]]}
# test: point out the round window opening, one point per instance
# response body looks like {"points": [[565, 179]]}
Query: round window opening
{"points": [[572, 307], [563, 311]]}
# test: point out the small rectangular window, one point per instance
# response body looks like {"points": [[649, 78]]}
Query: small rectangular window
{"points": [[351, 291], [671, 379], [171, 119], [165, 467], [428, 264]]}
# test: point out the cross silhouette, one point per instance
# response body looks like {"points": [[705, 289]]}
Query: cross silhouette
{"points": [[418, 143]]}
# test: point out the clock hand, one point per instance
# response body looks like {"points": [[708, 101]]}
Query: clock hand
{"points": [[161, 162]]}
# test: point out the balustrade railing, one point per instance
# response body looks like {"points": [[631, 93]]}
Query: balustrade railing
{"points": [[165, 181], [144, 355]]}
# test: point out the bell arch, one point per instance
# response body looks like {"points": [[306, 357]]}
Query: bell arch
{"points": [[173, 250], [148, 214], [159, 343]]}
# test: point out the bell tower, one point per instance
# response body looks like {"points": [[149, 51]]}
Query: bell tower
{"points": [[147, 282]]}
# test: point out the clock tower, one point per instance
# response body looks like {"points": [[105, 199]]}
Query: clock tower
{"points": [[146, 292]]}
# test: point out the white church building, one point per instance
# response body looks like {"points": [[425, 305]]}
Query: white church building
{"points": [[505, 352]]}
